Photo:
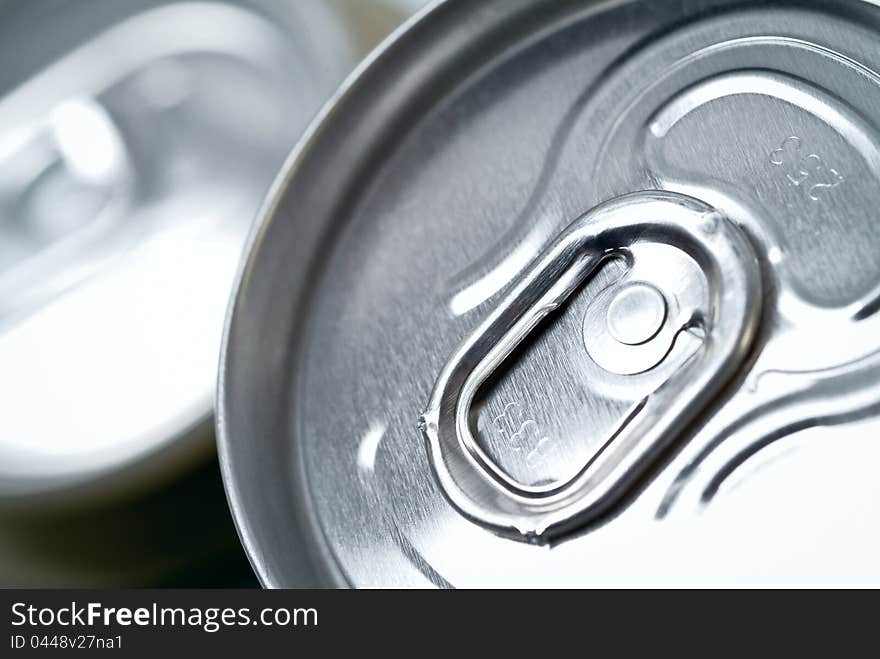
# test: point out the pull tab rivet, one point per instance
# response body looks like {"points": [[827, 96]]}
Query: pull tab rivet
{"points": [[636, 314]]}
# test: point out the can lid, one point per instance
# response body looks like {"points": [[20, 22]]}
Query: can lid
{"points": [[427, 247], [132, 167]]}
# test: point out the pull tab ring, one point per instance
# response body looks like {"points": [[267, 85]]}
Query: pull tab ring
{"points": [[470, 479]]}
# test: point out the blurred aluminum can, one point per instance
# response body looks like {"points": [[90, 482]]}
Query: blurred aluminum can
{"points": [[137, 141], [572, 293]]}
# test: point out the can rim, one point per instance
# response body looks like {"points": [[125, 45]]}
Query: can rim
{"points": [[263, 219]]}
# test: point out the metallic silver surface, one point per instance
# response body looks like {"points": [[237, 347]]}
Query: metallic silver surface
{"points": [[727, 323], [131, 168], [405, 216]]}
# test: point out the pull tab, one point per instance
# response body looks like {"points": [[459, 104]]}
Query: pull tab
{"points": [[484, 492]]}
